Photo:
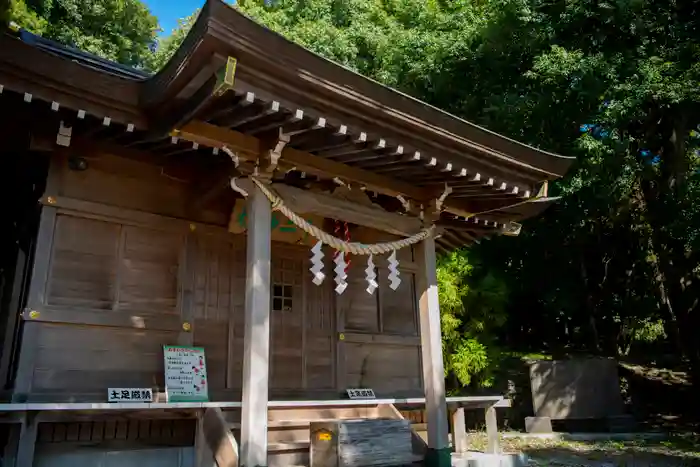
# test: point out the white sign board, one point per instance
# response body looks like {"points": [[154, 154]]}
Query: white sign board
{"points": [[129, 395], [360, 393], [185, 374]]}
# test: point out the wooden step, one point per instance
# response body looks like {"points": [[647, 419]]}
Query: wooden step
{"points": [[287, 423], [288, 446], [288, 454]]}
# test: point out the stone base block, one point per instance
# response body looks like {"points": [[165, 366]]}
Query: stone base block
{"points": [[480, 459], [538, 424]]}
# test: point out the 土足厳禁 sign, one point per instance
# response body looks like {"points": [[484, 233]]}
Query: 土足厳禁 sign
{"points": [[185, 374], [360, 393], [129, 395]]}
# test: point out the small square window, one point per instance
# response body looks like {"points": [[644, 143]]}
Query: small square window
{"points": [[282, 297]]}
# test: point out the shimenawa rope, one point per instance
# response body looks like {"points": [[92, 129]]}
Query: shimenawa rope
{"points": [[334, 242]]}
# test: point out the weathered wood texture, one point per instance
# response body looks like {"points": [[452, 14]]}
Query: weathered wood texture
{"points": [[171, 432], [374, 442], [329, 206], [132, 184], [109, 266], [380, 347], [219, 294], [115, 279], [152, 457], [256, 341], [431, 346], [221, 448]]}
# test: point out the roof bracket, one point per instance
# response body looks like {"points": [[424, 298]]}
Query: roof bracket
{"points": [[267, 163], [439, 202]]}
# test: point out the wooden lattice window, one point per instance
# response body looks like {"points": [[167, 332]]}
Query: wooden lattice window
{"points": [[282, 297]]}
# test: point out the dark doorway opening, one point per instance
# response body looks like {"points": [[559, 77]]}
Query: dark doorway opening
{"points": [[23, 174]]}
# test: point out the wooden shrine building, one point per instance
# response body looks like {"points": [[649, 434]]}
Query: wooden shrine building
{"points": [[143, 211]]}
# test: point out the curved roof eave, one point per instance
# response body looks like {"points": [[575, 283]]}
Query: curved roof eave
{"points": [[273, 62]]}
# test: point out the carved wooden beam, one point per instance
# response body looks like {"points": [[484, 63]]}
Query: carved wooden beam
{"points": [[327, 205]]}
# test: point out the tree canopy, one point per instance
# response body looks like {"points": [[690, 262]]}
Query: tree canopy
{"points": [[613, 268], [120, 30]]}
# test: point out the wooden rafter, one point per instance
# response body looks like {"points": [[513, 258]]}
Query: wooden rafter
{"points": [[249, 147]]}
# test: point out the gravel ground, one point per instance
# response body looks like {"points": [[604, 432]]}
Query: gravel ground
{"points": [[676, 450]]}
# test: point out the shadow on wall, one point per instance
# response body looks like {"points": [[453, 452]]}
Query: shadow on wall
{"points": [[577, 388], [656, 397]]}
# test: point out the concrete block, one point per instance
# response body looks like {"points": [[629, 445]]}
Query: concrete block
{"points": [[538, 424], [580, 388]]}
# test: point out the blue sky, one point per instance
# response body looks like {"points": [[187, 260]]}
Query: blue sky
{"points": [[169, 11]]}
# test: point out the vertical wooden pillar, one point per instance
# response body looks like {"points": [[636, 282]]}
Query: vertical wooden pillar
{"points": [[492, 430], [203, 456], [431, 353], [256, 357], [459, 431], [27, 442]]}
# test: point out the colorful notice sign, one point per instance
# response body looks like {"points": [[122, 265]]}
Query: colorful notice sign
{"points": [[185, 374]]}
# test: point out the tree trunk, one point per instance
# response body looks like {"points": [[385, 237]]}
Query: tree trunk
{"points": [[663, 195]]}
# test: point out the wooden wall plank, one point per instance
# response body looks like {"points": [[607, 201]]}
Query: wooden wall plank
{"points": [[84, 358], [131, 184], [218, 307], [84, 263], [388, 369], [186, 285], [35, 298], [91, 317]]}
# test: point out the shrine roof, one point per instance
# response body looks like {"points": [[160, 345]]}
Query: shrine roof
{"points": [[333, 116]]}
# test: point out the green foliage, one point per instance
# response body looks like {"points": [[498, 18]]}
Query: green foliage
{"points": [[472, 302], [25, 17], [119, 30]]}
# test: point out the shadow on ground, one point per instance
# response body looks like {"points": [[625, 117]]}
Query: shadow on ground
{"points": [[560, 456], [676, 450]]}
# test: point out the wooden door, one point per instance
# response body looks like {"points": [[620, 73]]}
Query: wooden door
{"points": [[219, 299], [287, 318]]}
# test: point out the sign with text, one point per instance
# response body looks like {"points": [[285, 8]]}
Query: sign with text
{"points": [[365, 393], [185, 374], [129, 395]]}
